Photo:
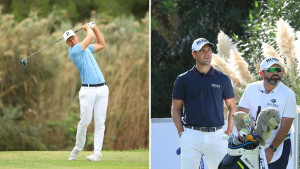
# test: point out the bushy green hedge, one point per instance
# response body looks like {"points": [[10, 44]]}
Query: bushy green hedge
{"points": [[16, 134]]}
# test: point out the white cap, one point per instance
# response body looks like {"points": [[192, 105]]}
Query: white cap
{"points": [[68, 34], [199, 43], [268, 62]]}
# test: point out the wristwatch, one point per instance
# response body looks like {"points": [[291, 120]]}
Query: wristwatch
{"points": [[273, 148]]}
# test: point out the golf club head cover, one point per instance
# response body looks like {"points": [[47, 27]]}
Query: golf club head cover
{"points": [[267, 120], [92, 24]]}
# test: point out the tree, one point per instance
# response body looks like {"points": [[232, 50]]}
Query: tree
{"points": [[175, 25], [261, 25]]}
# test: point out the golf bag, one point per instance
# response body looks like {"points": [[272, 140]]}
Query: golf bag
{"points": [[243, 156]]}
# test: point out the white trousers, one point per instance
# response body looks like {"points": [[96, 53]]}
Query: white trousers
{"points": [[194, 143], [92, 98]]}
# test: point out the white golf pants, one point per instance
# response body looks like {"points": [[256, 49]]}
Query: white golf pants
{"points": [[194, 143], [92, 98]]}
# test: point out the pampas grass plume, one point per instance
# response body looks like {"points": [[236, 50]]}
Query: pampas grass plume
{"points": [[240, 67], [224, 45], [269, 51], [222, 66], [285, 38], [297, 50]]}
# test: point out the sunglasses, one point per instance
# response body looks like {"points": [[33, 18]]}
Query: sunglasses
{"points": [[272, 69]]}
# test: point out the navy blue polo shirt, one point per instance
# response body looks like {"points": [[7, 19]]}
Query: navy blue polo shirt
{"points": [[203, 96]]}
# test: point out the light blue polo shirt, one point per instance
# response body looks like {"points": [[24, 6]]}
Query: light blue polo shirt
{"points": [[86, 64]]}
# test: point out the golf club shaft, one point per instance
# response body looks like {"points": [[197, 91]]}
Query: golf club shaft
{"points": [[49, 45]]}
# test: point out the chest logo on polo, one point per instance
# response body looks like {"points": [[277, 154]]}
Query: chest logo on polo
{"points": [[216, 86], [273, 103]]}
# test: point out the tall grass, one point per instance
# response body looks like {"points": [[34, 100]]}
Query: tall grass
{"points": [[47, 89]]}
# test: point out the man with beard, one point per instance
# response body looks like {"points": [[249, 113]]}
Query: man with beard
{"points": [[270, 92]]}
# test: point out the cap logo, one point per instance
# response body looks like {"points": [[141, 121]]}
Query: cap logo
{"points": [[272, 59], [200, 41], [67, 33]]}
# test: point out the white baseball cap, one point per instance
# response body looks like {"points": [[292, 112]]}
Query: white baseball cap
{"points": [[199, 43], [268, 62], [68, 34]]}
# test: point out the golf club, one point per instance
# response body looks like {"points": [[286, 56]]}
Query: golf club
{"points": [[24, 61]]}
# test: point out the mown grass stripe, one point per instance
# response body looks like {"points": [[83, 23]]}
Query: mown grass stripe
{"points": [[59, 159]]}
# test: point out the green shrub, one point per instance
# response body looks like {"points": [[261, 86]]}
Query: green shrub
{"points": [[16, 134]]}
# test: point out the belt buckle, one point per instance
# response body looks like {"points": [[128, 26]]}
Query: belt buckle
{"points": [[214, 129]]}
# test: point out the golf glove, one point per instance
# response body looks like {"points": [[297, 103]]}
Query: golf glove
{"points": [[92, 24]]}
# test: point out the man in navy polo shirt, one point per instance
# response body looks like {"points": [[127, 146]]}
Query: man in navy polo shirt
{"points": [[94, 92], [201, 91]]}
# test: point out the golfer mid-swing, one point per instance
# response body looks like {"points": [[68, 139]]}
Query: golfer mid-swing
{"points": [[93, 93]]}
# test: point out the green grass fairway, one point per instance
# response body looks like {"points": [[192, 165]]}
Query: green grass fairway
{"points": [[135, 159]]}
